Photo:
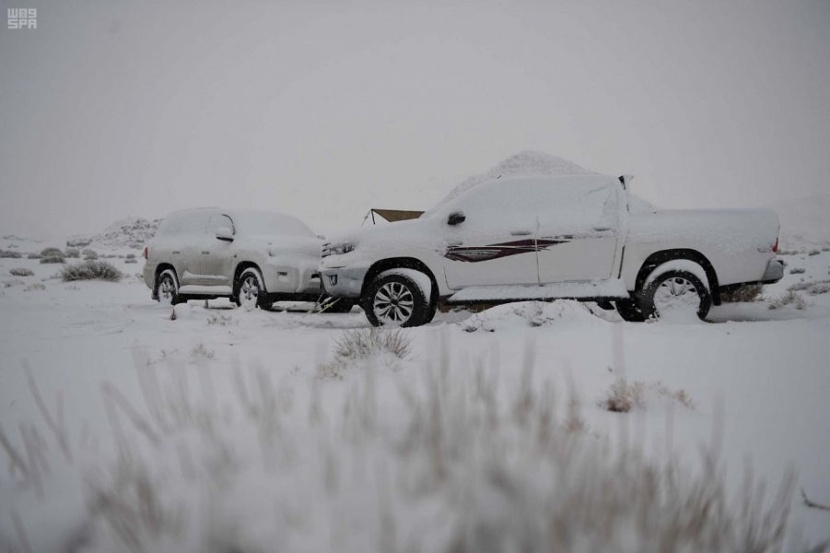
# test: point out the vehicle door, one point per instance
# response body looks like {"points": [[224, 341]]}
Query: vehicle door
{"points": [[495, 243], [578, 230], [180, 239], [217, 252]]}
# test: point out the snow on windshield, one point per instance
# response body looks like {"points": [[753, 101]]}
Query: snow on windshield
{"points": [[251, 222]]}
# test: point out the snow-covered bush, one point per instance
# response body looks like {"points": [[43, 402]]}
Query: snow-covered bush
{"points": [[73, 253], [51, 252], [812, 288], [359, 345], [91, 270], [623, 396], [53, 259], [35, 287], [21, 272], [8, 254], [790, 298], [89, 254], [798, 271], [33, 256]]}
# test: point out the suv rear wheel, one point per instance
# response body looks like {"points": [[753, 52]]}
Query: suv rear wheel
{"points": [[394, 299], [167, 287]]}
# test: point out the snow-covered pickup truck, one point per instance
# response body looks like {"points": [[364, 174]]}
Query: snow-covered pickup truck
{"points": [[525, 238]]}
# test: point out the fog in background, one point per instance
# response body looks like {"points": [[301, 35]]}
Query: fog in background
{"points": [[325, 109]]}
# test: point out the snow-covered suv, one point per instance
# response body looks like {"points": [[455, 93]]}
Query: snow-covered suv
{"points": [[543, 237], [253, 257]]}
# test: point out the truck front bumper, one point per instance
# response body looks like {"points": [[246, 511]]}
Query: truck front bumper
{"points": [[774, 272], [344, 282]]}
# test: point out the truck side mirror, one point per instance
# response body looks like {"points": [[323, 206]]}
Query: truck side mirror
{"points": [[224, 233], [456, 217]]}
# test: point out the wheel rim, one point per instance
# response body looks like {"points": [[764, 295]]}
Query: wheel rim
{"points": [[676, 294], [249, 292], [393, 304], [167, 290]]}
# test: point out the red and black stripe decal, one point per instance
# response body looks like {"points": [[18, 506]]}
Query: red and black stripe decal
{"points": [[495, 251]]}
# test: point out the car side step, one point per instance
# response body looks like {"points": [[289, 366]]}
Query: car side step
{"points": [[580, 290]]}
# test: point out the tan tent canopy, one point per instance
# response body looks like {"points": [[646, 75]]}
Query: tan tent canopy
{"points": [[393, 215]]}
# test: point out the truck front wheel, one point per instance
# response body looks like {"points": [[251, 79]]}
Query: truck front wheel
{"points": [[394, 299]]}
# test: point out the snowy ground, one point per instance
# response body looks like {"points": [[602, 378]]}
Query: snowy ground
{"points": [[758, 381]]}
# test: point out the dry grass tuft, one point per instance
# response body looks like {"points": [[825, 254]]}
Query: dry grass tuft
{"points": [[790, 298], [355, 346], [623, 396]]}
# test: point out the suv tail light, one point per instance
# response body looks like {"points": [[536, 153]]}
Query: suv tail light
{"points": [[146, 253], [775, 246]]}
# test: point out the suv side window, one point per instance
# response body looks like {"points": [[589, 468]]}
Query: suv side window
{"points": [[219, 220], [186, 223]]}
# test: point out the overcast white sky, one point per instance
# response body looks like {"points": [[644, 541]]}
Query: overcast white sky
{"points": [[324, 109]]}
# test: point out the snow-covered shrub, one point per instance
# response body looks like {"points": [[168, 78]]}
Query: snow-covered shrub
{"points": [[130, 260], [359, 345], [814, 252], [201, 350], [812, 288], [33, 256], [366, 342], [623, 396], [220, 319], [73, 253], [91, 270], [130, 256], [790, 298], [746, 293], [51, 252], [89, 254], [35, 286], [798, 271], [10, 254], [21, 272], [53, 259]]}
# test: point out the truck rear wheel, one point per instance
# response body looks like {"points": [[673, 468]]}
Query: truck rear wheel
{"points": [[675, 291]]}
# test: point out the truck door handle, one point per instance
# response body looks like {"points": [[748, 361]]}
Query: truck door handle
{"points": [[520, 233], [205, 253]]}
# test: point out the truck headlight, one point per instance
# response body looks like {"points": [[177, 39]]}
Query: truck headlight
{"points": [[337, 249]]}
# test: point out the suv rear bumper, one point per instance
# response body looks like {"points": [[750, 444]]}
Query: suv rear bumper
{"points": [[774, 271], [344, 282]]}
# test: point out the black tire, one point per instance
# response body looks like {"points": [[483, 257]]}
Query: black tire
{"points": [[629, 310], [396, 300], [167, 287], [249, 291], [676, 283]]}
